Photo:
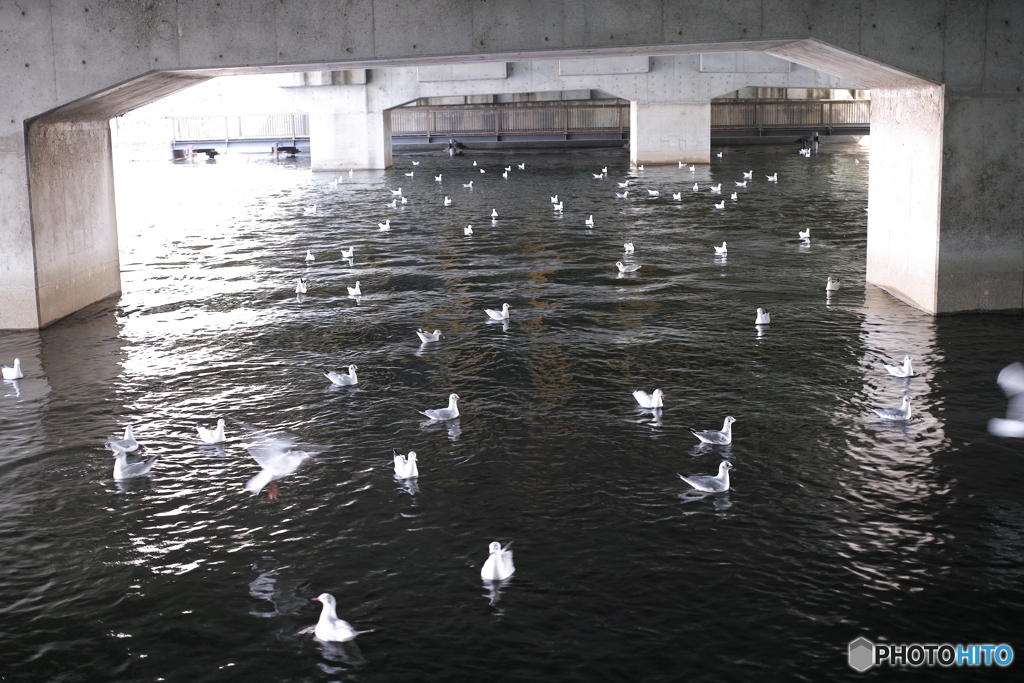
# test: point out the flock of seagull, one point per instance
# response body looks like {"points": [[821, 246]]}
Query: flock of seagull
{"points": [[281, 455]]}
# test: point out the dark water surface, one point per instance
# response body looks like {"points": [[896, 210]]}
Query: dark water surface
{"points": [[837, 525]]}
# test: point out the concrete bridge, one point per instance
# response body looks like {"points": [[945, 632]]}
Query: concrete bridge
{"points": [[943, 231]]}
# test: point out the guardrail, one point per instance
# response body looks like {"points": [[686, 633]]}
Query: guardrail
{"points": [[237, 128], [763, 115], [498, 120]]}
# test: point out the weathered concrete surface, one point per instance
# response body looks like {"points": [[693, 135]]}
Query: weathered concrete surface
{"points": [[669, 132]]}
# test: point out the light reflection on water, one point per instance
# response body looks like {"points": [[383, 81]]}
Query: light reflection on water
{"points": [[837, 525]]}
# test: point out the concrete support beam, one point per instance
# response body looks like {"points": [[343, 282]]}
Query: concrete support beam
{"points": [[342, 140], [18, 306], [669, 132]]}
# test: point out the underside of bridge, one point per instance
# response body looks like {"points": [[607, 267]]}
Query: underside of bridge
{"points": [[941, 234]]}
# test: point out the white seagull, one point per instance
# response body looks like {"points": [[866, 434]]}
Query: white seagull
{"points": [[310, 210], [623, 195], [554, 200], [590, 221], [397, 193], [805, 234], [719, 155], [901, 414], [347, 253], [494, 213], [468, 230], [831, 285], [12, 372], [410, 174], [309, 256], [774, 178], [438, 178], [558, 206], [386, 225], [625, 184], [696, 187], [716, 188], [469, 184], [748, 174], [623, 268], [129, 470], [405, 466], [604, 171], [447, 201], [720, 205], [709, 484], [522, 167], [906, 370], [211, 436], [342, 380], [330, 628], [722, 249], [404, 200], [498, 566], [640, 167], [653, 193], [649, 400], [126, 444], [714, 436], [355, 291], [429, 336], [449, 413], [300, 286], [415, 163], [739, 184], [393, 204], [677, 195], [498, 315], [763, 317], [733, 196], [474, 163], [508, 168], [1011, 379], [628, 247], [483, 171], [505, 175], [598, 175]]}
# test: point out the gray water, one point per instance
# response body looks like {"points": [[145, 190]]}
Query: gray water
{"points": [[837, 525]]}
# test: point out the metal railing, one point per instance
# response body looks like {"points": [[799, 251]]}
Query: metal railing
{"points": [[747, 114], [249, 127], [509, 119]]}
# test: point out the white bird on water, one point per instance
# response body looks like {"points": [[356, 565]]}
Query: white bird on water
{"points": [[447, 201], [653, 193], [713, 436], [393, 204], [696, 187], [677, 195], [716, 189], [604, 171], [474, 163], [590, 221], [405, 465], [300, 286], [1011, 379], [733, 196], [350, 172], [719, 155], [449, 413], [126, 444], [386, 225], [628, 247], [483, 171], [347, 253], [739, 184], [494, 213], [623, 268], [623, 195], [682, 165], [774, 178], [649, 400], [832, 285], [415, 163], [438, 178], [469, 184], [901, 414], [558, 206], [429, 336], [508, 168], [597, 175], [720, 205], [468, 230], [310, 210], [410, 174], [309, 256], [805, 234], [763, 317], [498, 566], [722, 249], [505, 175], [404, 200], [342, 380], [355, 291], [212, 436], [554, 200], [709, 484], [748, 174], [906, 370], [640, 167], [330, 628], [522, 167], [129, 470], [498, 315], [625, 184], [397, 193], [14, 372]]}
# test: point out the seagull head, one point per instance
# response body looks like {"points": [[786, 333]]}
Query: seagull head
{"points": [[730, 419], [353, 368], [326, 598], [454, 397], [494, 547], [724, 467], [412, 456]]}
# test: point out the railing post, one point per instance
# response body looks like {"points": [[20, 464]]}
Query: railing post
{"points": [[430, 121]]}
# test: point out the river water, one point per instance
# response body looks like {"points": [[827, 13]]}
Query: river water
{"points": [[837, 525]]}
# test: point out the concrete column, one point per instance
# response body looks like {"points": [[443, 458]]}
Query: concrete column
{"points": [[669, 132], [74, 224], [18, 306], [905, 193], [347, 131]]}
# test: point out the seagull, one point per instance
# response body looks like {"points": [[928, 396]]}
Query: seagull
{"points": [[350, 172], [300, 286], [449, 413], [693, 168], [709, 484], [554, 200], [716, 188], [12, 373], [310, 210], [558, 206], [696, 187], [722, 438], [640, 167], [309, 256], [653, 193], [355, 291], [774, 178], [625, 184], [1011, 379], [720, 205], [906, 370], [330, 628], [438, 178], [734, 196], [498, 315], [719, 155], [397, 193], [494, 213], [628, 247], [508, 168], [682, 165], [405, 466], [429, 336], [347, 253], [404, 200], [649, 400], [129, 470], [469, 184], [748, 174], [604, 171], [597, 175], [831, 285], [447, 201], [623, 195], [623, 268], [393, 204], [721, 250], [763, 317], [127, 444], [386, 225], [505, 175], [522, 167], [410, 174], [677, 195], [901, 414], [483, 171], [739, 184], [805, 234], [498, 566], [468, 230], [415, 163], [342, 380], [590, 221], [474, 163], [211, 436]]}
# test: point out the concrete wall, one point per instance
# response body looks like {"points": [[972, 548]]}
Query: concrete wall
{"points": [[669, 132]]}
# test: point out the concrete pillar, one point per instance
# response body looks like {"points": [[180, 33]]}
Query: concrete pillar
{"points": [[669, 132], [347, 131], [18, 307]]}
